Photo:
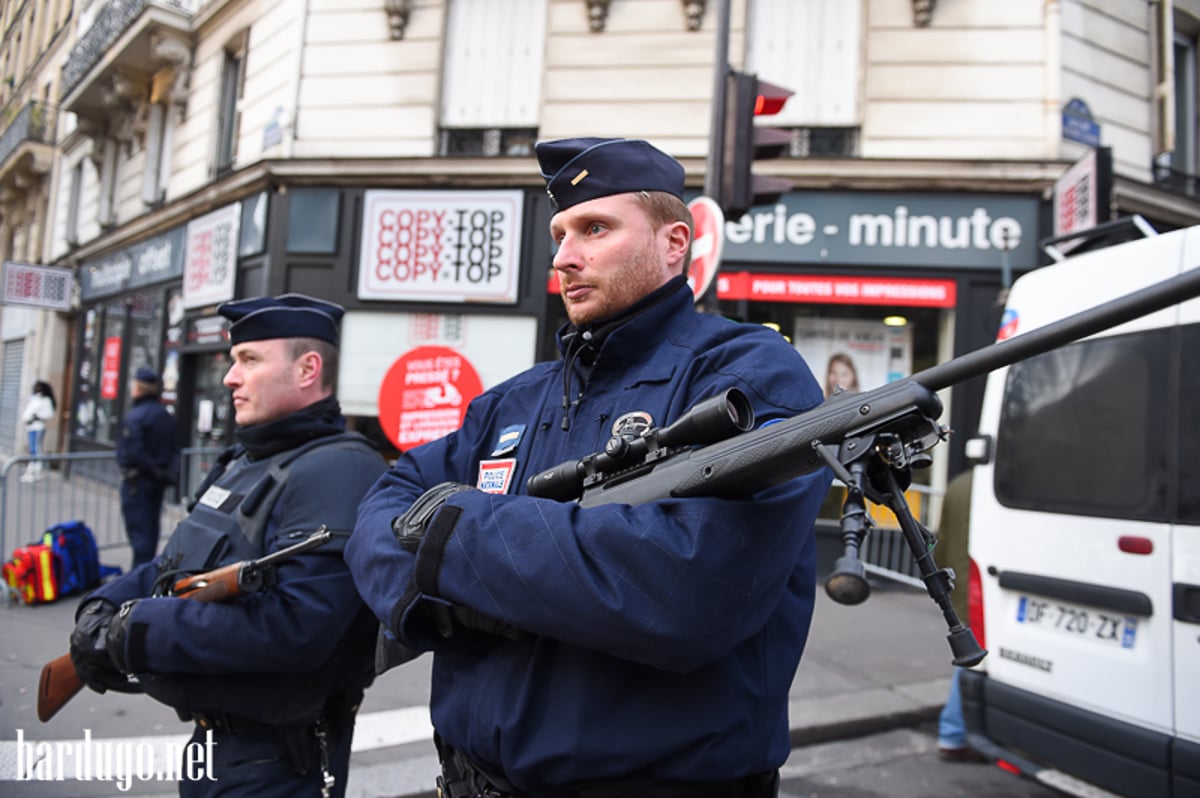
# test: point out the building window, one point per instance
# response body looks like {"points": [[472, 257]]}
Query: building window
{"points": [[229, 116], [492, 77], [824, 142], [486, 142], [313, 220], [1176, 109], [74, 202]]}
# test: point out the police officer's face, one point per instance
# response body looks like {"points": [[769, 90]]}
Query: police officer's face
{"points": [[267, 381], [610, 255]]}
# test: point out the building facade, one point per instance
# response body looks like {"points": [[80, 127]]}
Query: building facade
{"points": [[378, 153]]}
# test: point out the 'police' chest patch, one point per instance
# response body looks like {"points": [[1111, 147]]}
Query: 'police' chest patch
{"points": [[632, 425], [495, 476], [214, 497]]}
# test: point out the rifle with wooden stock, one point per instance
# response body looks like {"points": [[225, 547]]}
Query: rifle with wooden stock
{"points": [[59, 682]]}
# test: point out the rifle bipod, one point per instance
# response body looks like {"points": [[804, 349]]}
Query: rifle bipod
{"points": [[847, 583]]}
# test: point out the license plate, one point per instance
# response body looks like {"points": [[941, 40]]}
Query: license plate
{"points": [[1106, 627]]}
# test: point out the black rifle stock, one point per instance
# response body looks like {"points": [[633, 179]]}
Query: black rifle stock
{"points": [[59, 682], [871, 440]]}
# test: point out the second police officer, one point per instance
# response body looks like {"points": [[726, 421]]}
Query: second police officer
{"points": [[275, 676]]}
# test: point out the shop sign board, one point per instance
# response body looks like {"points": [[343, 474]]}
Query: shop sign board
{"points": [[424, 395], [47, 287], [856, 228], [210, 265], [148, 262], [110, 367], [441, 246], [838, 290]]}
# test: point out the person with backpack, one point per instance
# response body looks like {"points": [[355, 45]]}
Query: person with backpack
{"points": [[148, 454], [38, 410], [275, 675]]}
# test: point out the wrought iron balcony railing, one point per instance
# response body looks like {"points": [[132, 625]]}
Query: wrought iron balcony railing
{"points": [[34, 123], [1177, 181], [113, 20]]}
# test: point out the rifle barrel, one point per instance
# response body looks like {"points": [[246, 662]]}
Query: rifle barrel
{"points": [[1079, 325]]}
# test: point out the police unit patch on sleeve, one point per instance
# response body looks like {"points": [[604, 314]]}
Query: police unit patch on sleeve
{"points": [[495, 475], [508, 440]]}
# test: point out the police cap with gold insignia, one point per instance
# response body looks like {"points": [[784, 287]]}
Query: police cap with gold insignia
{"points": [[578, 170], [284, 316]]}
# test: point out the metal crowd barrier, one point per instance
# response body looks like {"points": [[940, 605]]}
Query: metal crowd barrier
{"points": [[38, 492]]}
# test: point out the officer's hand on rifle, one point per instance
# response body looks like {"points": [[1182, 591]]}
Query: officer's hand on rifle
{"points": [[89, 648], [410, 529], [116, 635]]}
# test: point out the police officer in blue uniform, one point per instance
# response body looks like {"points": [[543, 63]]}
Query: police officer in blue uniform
{"points": [[613, 650], [148, 454], [275, 676]]}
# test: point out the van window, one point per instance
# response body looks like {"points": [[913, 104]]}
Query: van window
{"points": [[1189, 427], [1083, 429]]}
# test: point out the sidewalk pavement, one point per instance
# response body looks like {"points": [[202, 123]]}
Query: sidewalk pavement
{"points": [[879, 665]]}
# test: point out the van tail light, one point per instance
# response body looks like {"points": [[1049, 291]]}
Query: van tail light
{"points": [[975, 603]]}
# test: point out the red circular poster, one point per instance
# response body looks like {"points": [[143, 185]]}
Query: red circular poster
{"points": [[425, 395]]}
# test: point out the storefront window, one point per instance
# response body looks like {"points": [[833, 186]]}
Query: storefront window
{"points": [[112, 335], [118, 337], [313, 220]]}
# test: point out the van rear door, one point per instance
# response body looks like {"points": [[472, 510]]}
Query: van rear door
{"points": [[1070, 518], [1186, 547]]}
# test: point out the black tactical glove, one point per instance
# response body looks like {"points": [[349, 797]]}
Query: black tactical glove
{"points": [[89, 652], [410, 527], [116, 635]]}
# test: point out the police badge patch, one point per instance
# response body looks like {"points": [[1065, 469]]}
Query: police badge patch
{"points": [[633, 424], [495, 475]]}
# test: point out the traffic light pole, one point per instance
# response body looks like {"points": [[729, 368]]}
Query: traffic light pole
{"points": [[715, 164]]}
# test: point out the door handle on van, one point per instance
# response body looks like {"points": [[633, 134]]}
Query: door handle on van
{"points": [[1129, 602], [1186, 601]]}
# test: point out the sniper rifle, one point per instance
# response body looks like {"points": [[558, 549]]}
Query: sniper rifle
{"points": [[870, 440]]}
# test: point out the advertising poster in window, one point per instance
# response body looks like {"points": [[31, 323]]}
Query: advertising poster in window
{"points": [[855, 354], [447, 246], [210, 263]]}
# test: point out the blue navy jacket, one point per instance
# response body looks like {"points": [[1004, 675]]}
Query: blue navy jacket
{"points": [[664, 636], [263, 654], [148, 440]]}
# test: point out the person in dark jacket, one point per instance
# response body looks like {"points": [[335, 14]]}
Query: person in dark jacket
{"points": [[272, 678], [614, 650], [148, 454]]}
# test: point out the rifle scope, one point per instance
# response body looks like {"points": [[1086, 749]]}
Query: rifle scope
{"points": [[715, 419]]}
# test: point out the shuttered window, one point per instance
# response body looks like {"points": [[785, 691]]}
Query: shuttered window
{"points": [[12, 402], [493, 66], [812, 47]]}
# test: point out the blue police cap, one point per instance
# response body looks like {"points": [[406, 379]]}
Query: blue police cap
{"points": [[285, 316], [578, 170], [147, 375]]}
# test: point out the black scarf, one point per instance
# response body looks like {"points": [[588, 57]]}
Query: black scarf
{"points": [[318, 420]]}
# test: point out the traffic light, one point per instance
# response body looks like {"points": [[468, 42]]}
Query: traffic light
{"points": [[747, 97]]}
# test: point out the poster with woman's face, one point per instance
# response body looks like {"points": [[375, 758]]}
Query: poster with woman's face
{"points": [[853, 354]]}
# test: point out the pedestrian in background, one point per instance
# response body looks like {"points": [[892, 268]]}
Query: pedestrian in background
{"points": [[275, 675], [615, 650], [148, 454], [39, 409], [954, 528]]}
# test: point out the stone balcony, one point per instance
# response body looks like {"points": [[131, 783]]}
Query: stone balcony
{"points": [[121, 57], [27, 147]]}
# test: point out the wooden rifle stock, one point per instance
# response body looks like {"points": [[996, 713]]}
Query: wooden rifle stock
{"points": [[60, 682]]}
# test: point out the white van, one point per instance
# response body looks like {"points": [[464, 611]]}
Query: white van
{"points": [[1084, 583]]}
